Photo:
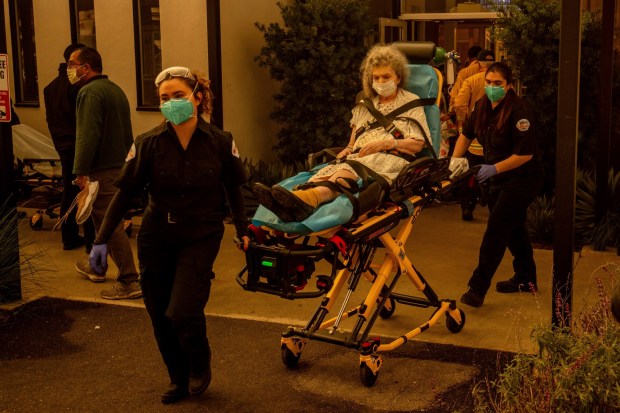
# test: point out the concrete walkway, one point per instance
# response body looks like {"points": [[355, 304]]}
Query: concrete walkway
{"points": [[435, 372], [442, 247]]}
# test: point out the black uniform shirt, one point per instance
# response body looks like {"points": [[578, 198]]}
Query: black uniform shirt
{"points": [[518, 136], [186, 183]]}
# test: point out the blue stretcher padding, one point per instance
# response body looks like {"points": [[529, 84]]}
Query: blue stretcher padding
{"points": [[329, 215]]}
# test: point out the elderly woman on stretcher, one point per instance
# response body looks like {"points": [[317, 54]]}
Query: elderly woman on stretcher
{"points": [[374, 150]]}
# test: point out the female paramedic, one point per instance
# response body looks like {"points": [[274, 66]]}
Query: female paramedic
{"points": [[503, 124], [188, 168], [384, 72]]}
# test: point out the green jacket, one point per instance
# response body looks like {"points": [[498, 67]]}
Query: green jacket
{"points": [[103, 135]]}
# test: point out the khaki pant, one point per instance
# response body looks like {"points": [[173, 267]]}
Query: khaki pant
{"points": [[118, 245]]}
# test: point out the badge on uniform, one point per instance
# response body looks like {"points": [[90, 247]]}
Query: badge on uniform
{"points": [[523, 125], [132, 153], [235, 151]]}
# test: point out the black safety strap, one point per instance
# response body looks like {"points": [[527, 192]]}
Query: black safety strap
{"points": [[367, 176], [429, 145], [387, 121], [365, 173]]}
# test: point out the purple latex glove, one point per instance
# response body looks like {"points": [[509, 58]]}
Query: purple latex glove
{"points": [[98, 258], [485, 172]]}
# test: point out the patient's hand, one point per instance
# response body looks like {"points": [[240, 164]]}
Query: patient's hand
{"points": [[344, 153], [81, 181], [377, 146]]}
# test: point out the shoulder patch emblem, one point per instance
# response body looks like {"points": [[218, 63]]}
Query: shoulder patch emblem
{"points": [[132, 153], [235, 151], [523, 125]]}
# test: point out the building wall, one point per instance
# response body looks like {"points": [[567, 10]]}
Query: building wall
{"points": [[247, 89]]}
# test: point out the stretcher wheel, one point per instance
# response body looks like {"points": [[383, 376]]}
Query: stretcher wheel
{"points": [[388, 309], [451, 323], [36, 221], [367, 376], [289, 359]]}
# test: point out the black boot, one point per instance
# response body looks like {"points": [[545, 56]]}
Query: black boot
{"points": [[515, 285], [472, 298], [199, 381], [174, 393]]}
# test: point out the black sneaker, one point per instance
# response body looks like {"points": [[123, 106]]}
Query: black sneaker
{"points": [[467, 214], [472, 298], [514, 285]]}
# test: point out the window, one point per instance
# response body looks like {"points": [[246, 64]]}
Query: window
{"points": [[24, 53], [148, 51], [83, 22]]}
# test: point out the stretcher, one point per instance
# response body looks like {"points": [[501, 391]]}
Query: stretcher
{"points": [[38, 173], [370, 248]]}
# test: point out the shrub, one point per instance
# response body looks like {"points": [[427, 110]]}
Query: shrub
{"points": [[10, 284], [316, 56], [601, 235], [575, 370], [530, 32], [606, 232], [540, 220], [23, 263]]}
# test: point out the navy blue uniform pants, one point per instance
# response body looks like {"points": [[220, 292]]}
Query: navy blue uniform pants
{"points": [[506, 228], [176, 267]]}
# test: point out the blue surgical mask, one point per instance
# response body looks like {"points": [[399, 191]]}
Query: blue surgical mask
{"points": [[494, 93]]}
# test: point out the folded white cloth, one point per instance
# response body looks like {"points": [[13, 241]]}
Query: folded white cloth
{"points": [[458, 166], [85, 200]]}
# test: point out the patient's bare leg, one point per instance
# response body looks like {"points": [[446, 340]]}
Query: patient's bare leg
{"points": [[324, 194], [301, 203]]}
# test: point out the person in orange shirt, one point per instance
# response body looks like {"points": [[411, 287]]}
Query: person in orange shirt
{"points": [[471, 69], [470, 92]]}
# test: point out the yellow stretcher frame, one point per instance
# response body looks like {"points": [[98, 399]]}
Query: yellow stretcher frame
{"points": [[364, 241]]}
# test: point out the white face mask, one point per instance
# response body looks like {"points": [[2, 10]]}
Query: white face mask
{"points": [[72, 75], [384, 89]]}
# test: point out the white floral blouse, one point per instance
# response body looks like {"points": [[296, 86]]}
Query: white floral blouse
{"points": [[385, 164]]}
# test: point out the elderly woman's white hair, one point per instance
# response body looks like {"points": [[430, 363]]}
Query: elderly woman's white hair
{"points": [[383, 55]]}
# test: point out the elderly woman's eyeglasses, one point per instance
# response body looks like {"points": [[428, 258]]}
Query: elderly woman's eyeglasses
{"points": [[176, 71]]}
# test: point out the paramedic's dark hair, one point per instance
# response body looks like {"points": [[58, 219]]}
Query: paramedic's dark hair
{"points": [[70, 49], [503, 70], [92, 57], [504, 114]]}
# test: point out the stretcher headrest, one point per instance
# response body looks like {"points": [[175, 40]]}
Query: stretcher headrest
{"points": [[418, 52]]}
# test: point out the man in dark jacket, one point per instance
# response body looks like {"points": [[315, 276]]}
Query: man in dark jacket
{"points": [[60, 98]]}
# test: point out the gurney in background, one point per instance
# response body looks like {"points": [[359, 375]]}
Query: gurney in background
{"points": [[38, 177], [38, 173]]}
